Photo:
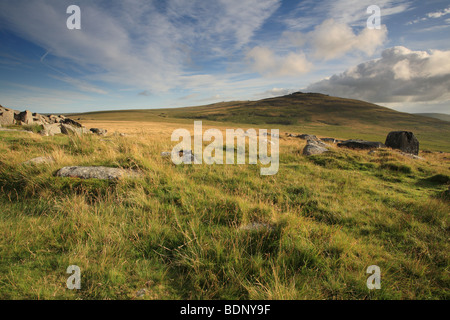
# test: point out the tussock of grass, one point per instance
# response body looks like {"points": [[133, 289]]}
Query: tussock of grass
{"points": [[181, 232]]}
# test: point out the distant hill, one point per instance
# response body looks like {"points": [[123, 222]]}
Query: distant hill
{"points": [[299, 112], [440, 116], [294, 109]]}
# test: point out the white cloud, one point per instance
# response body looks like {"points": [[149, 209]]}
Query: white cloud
{"points": [[431, 15], [399, 76], [439, 14], [329, 40], [266, 62], [333, 39]]}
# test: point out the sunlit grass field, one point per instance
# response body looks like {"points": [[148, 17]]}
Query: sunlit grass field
{"points": [[179, 232]]}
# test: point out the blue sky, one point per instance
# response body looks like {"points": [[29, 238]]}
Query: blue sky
{"points": [[134, 54]]}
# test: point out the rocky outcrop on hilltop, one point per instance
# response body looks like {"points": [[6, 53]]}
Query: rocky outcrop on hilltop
{"points": [[51, 124]]}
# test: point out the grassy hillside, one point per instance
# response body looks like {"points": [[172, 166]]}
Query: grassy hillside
{"points": [[181, 232], [440, 116], [302, 113]]}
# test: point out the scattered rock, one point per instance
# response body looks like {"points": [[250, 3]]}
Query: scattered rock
{"points": [[71, 122], [52, 124], [102, 173], [329, 140], [7, 116], [39, 160], [314, 149], [187, 155], [361, 144], [100, 132], [26, 117], [404, 141], [293, 135], [271, 135], [40, 119], [54, 119], [412, 156], [307, 137], [51, 129], [71, 130]]}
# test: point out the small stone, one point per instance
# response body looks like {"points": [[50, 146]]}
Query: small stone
{"points": [[141, 293]]}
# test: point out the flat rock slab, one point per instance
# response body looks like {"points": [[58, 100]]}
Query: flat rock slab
{"points": [[102, 173], [361, 144], [40, 160]]}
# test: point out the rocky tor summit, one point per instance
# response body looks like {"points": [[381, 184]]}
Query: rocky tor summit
{"points": [[51, 124]]}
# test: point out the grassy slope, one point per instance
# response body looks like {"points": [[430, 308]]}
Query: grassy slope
{"points": [[440, 116], [175, 232], [303, 113]]}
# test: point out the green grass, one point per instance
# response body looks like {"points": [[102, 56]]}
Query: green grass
{"points": [[177, 231]]}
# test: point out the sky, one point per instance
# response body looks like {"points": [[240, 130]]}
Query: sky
{"points": [[144, 54]]}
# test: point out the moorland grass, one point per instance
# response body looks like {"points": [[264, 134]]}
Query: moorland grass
{"points": [[177, 231]]}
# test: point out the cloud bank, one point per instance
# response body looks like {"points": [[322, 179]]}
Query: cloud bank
{"points": [[400, 75]]}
